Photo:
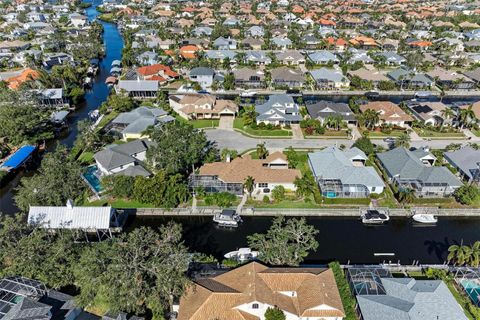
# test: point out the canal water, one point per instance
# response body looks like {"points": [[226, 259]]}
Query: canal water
{"points": [[113, 42], [343, 239]]}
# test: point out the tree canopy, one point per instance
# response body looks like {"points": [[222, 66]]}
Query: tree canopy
{"points": [[57, 180], [287, 242], [22, 119], [179, 147]]}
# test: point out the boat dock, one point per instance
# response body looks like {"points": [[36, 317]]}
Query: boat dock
{"points": [[323, 212]]}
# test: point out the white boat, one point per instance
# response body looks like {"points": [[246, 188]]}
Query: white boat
{"points": [[373, 216], [242, 255], [227, 218], [424, 218]]}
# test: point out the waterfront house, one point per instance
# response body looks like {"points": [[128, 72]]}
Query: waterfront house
{"points": [[229, 176], [450, 80], [389, 113], [202, 106], [327, 79], [371, 75], [416, 170], [249, 290], [467, 161], [132, 124], [279, 109], [343, 174], [51, 97], [322, 109], [138, 88], [123, 159], [405, 78], [286, 77], [28, 299], [380, 296], [157, 72], [249, 78]]}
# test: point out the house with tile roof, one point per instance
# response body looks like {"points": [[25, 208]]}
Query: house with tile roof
{"points": [[343, 174], [249, 78], [246, 292], [202, 106], [389, 113], [230, 175], [287, 77], [157, 72], [416, 170], [329, 79]]}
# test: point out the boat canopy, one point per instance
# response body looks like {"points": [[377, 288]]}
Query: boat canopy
{"points": [[19, 157]]}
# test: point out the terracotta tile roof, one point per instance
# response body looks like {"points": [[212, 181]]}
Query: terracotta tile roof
{"points": [[157, 69], [254, 282], [189, 51], [26, 75], [420, 44], [240, 168], [389, 111]]}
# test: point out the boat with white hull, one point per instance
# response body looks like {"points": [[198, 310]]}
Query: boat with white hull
{"points": [[227, 218], [242, 255], [374, 216], [425, 218]]}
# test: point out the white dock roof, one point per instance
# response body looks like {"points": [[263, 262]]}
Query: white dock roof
{"points": [[70, 217]]}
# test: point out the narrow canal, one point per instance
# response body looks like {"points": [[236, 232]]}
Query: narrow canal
{"points": [[113, 42], [343, 239]]}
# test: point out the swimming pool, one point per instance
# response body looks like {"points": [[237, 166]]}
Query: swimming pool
{"points": [[472, 288], [91, 177]]}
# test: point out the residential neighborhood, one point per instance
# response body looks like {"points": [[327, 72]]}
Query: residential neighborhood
{"points": [[247, 159]]}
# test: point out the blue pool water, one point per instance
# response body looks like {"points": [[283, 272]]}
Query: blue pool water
{"points": [[90, 175], [472, 288]]}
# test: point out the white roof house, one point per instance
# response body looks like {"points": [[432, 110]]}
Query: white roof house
{"points": [[70, 217]]}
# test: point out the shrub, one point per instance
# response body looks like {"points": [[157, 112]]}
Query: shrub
{"points": [[220, 199], [467, 194], [278, 193], [266, 199]]}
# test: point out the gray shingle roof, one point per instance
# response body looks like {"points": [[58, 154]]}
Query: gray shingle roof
{"points": [[407, 165], [410, 299], [322, 109], [279, 107], [121, 155], [465, 159], [333, 163]]}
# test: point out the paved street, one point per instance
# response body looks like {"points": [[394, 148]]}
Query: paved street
{"points": [[239, 142]]}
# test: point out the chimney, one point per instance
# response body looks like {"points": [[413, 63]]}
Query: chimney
{"points": [[228, 159], [69, 204]]}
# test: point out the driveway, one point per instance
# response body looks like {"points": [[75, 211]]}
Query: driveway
{"points": [[226, 123], [297, 132], [234, 140]]}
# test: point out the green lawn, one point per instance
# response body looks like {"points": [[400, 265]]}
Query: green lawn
{"points": [[476, 132], [86, 157], [328, 133], [119, 203], [106, 119], [239, 126], [425, 133], [204, 123], [379, 134]]}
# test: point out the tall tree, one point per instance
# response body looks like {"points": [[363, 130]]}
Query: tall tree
{"points": [[403, 140], [262, 151], [287, 242], [305, 185], [57, 180], [249, 185], [179, 147], [274, 314]]}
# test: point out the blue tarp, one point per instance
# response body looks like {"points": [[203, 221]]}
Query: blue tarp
{"points": [[19, 157]]}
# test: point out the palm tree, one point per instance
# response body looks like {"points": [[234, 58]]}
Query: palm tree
{"points": [[305, 185], [249, 115], [467, 116], [406, 195], [262, 151], [447, 113], [460, 254], [249, 185], [475, 255], [371, 118], [403, 140]]}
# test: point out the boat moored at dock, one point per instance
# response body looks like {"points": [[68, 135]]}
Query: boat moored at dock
{"points": [[227, 218]]}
